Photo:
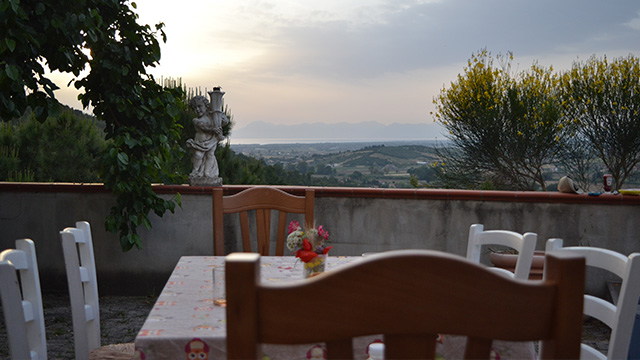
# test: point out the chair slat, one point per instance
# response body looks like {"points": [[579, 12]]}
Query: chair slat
{"points": [[244, 229], [340, 349], [89, 313], [477, 348], [27, 309], [282, 233], [601, 310], [84, 274], [263, 221], [410, 346]]}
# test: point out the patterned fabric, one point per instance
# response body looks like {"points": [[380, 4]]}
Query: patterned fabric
{"points": [[187, 322]]}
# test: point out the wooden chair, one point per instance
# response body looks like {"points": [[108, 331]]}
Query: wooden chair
{"points": [[22, 302], [619, 317], [262, 200], [77, 249], [525, 244], [408, 296]]}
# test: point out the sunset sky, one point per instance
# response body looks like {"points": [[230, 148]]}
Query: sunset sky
{"points": [[305, 61]]}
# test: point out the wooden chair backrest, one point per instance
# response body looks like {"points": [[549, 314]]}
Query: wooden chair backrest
{"points": [[408, 296], [525, 244], [262, 200], [77, 249], [22, 301], [620, 316]]}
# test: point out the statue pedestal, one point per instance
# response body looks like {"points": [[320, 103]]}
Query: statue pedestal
{"points": [[205, 181]]}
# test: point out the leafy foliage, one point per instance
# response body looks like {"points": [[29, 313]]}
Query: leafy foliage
{"points": [[140, 115], [241, 169], [63, 148], [424, 173], [602, 99], [505, 128], [578, 158]]}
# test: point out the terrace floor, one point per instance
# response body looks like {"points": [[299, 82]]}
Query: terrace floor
{"points": [[122, 316]]}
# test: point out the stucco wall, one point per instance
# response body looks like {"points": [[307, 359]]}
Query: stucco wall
{"points": [[359, 220]]}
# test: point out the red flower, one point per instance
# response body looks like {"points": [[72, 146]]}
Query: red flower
{"points": [[326, 250], [323, 233], [293, 226], [305, 254]]}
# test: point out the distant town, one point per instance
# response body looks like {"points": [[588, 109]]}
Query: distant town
{"points": [[375, 163], [388, 164]]}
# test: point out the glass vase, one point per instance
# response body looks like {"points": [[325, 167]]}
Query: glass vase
{"points": [[314, 267]]}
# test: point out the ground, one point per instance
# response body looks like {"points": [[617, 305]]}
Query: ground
{"points": [[121, 318]]}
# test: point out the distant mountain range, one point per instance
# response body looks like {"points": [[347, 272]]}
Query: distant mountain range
{"points": [[337, 132]]}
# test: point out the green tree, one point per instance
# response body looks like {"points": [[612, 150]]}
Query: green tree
{"points": [[140, 115], [302, 167], [603, 99], [451, 173], [9, 152], [425, 173], [239, 169], [356, 175], [579, 159], [63, 148], [505, 128], [323, 169]]}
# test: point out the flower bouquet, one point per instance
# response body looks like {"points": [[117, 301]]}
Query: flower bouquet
{"points": [[308, 245]]}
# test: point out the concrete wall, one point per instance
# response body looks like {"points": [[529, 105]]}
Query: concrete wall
{"points": [[359, 220]]}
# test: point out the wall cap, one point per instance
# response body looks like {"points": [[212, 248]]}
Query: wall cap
{"points": [[351, 192]]}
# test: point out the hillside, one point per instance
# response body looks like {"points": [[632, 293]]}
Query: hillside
{"points": [[386, 163], [399, 156]]}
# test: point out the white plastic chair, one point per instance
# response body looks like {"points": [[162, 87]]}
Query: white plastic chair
{"points": [[22, 302], [77, 248], [525, 244], [619, 317]]}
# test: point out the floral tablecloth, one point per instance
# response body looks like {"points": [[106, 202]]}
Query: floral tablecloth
{"points": [[187, 323]]}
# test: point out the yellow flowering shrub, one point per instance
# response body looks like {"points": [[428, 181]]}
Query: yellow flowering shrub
{"points": [[506, 127]]}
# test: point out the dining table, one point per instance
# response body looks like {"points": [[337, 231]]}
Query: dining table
{"points": [[189, 322]]}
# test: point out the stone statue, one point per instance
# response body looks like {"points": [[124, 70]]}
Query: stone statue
{"points": [[208, 125]]}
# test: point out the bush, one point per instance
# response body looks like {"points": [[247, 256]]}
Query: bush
{"points": [[63, 148]]}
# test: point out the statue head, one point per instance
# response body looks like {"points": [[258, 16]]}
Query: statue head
{"points": [[199, 104]]}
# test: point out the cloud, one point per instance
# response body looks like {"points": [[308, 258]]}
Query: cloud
{"points": [[368, 40], [634, 23], [350, 40], [292, 61]]}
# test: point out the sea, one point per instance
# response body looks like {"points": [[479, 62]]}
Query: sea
{"points": [[268, 141]]}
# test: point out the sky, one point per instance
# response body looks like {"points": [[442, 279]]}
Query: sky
{"points": [[305, 61]]}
